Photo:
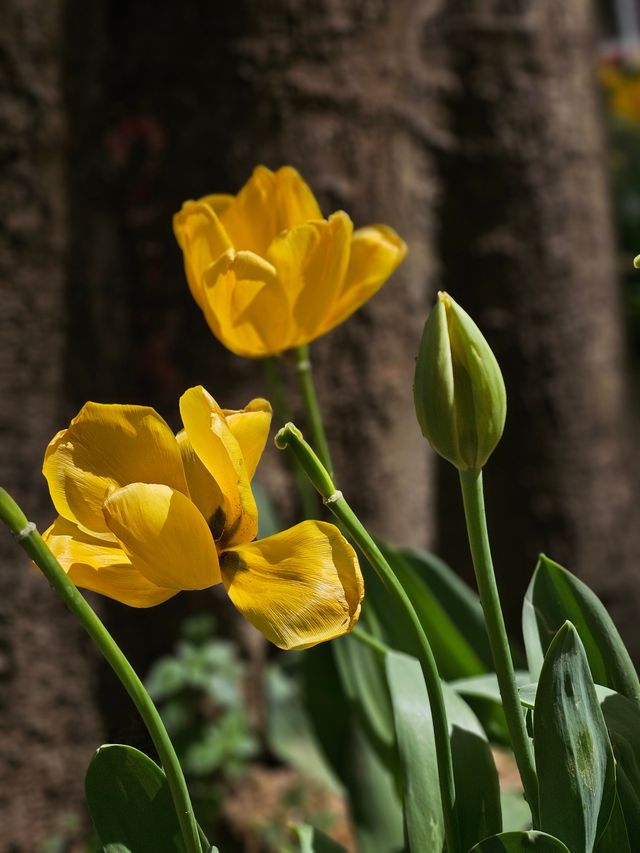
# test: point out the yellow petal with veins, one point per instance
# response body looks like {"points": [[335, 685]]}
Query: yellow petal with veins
{"points": [[250, 426], [311, 261], [101, 566], [106, 447], [299, 587], [221, 454], [202, 239], [164, 535], [376, 251], [245, 305]]}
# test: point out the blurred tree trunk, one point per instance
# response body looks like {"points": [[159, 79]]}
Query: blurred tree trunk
{"points": [[49, 722], [527, 248]]}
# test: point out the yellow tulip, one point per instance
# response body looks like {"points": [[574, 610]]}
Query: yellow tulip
{"points": [[144, 514], [269, 273]]}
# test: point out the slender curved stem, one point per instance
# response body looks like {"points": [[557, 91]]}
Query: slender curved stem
{"points": [[473, 499], [291, 437], [273, 373], [304, 370], [29, 538]]}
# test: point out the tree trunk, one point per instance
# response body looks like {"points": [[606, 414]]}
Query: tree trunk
{"points": [[49, 722], [527, 248]]}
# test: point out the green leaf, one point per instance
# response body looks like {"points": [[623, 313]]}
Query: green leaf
{"points": [[129, 801], [574, 759], [555, 596], [364, 682], [312, 840], [520, 842], [615, 838], [449, 611], [516, 814], [414, 731], [486, 686], [477, 806], [115, 848]]}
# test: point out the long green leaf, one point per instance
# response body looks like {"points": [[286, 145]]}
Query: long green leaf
{"points": [[129, 801], [520, 842], [448, 610], [477, 806], [615, 838], [574, 759], [414, 730], [555, 596]]}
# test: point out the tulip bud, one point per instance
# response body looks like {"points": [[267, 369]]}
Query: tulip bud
{"points": [[458, 391]]}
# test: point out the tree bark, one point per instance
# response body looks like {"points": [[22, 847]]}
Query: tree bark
{"points": [[527, 249], [49, 721]]}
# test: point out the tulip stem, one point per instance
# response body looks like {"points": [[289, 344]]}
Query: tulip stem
{"points": [[273, 373], [304, 370], [29, 538], [474, 510], [291, 437]]}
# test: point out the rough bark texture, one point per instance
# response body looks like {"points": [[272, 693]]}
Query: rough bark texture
{"points": [[527, 249], [49, 725], [349, 95]]}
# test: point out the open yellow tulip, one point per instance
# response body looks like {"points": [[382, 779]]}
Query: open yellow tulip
{"points": [[144, 514], [269, 273]]}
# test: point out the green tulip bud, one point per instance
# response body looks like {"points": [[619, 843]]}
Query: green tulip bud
{"points": [[458, 391]]}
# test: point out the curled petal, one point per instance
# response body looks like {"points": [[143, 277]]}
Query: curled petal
{"points": [[202, 239], [101, 566], [311, 261], [203, 489], [376, 251], [299, 587], [106, 447], [221, 454], [250, 427], [245, 305], [164, 535]]}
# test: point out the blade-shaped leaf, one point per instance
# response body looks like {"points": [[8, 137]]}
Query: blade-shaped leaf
{"points": [[416, 747], [477, 806], [129, 801], [312, 840], [520, 842], [555, 596], [448, 610], [574, 759], [615, 838]]}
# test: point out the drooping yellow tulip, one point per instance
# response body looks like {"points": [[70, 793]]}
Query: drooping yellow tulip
{"points": [[144, 514], [269, 273]]}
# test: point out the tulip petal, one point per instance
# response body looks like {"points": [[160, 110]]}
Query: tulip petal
{"points": [[376, 251], [245, 305], [106, 447], [311, 261], [267, 204], [221, 454], [100, 566], [299, 587], [250, 426], [164, 535], [203, 489], [202, 239]]}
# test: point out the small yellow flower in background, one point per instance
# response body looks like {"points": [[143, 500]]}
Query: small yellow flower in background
{"points": [[269, 273], [144, 514]]}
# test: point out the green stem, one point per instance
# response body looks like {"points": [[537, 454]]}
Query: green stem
{"points": [[29, 538], [273, 373], [473, 499], [370, 641], [302, 358], [290, 436]]}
